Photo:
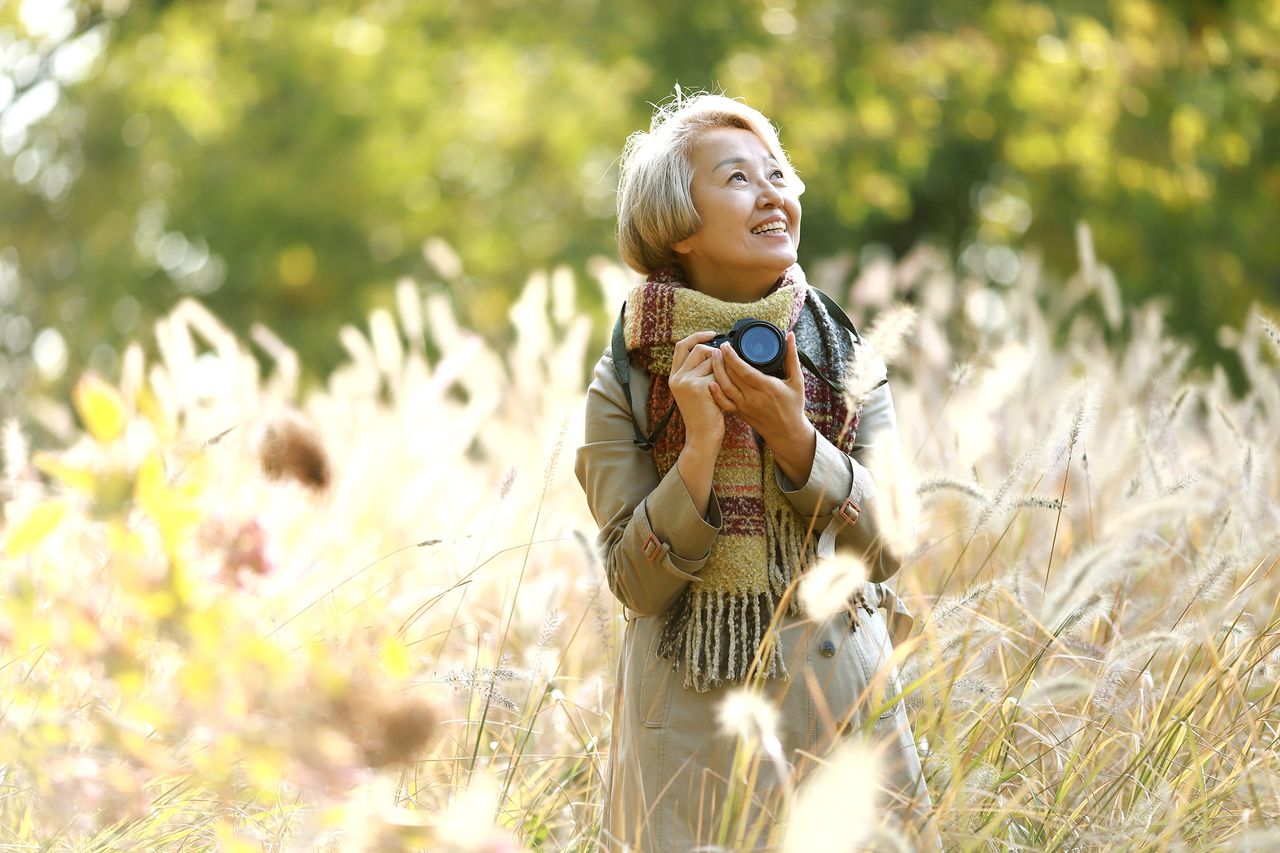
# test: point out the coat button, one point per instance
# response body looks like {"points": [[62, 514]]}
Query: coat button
{"points": [[828, 649]]}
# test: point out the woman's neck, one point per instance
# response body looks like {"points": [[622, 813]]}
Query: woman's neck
{"points": [[732, 288]]}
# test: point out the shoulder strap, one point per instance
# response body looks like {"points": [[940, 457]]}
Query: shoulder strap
{"points": [[837, 313], [622, 369]]}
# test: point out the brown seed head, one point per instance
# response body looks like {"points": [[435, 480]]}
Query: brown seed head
{"points": [[290, 448]]}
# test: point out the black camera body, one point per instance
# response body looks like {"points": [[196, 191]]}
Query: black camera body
{"points": [[759, 343]]}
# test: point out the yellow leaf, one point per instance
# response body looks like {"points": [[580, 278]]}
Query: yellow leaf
{"points": [[80, 479], [33, 529], [100, 407], [151, 408], [395, 658], [150, 489]]}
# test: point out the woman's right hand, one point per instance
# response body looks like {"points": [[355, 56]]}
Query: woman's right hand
{"points": [[690, 382]]}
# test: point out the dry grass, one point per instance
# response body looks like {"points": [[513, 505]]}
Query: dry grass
{"points": [[234, 616]]}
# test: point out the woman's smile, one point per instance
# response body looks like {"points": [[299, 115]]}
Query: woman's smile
{"points": [[750, 217]]}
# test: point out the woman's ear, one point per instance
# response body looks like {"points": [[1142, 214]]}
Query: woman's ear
{"points": [[682, 247]]}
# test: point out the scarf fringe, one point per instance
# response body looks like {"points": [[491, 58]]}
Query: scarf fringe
{"points": [[714, 635], [719, 627]]}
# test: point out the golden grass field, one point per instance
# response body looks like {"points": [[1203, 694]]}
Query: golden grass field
{"points": [[237, 616]]}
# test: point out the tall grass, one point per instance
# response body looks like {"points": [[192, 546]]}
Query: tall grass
{"points": [[236, 616]]}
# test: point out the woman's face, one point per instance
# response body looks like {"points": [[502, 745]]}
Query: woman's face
{"points": [[750, 217]]}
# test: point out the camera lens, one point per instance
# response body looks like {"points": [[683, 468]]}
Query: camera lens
{"points": [[760, 344]]}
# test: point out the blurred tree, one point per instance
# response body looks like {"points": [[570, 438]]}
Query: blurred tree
{"points": [[286, 161]]}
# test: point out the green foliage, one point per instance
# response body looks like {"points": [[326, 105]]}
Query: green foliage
{"points": [[287, 162]]}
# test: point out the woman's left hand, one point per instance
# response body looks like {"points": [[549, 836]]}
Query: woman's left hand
{"points": [[772, 407]]}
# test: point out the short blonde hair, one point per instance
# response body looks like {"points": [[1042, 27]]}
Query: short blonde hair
{"points": [[655, 207]]}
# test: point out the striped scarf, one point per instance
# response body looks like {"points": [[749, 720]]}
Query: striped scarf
{"points": [[719, 622]]}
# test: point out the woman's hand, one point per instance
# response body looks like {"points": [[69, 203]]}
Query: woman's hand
{"points": [[774, 408], [690, 382]]}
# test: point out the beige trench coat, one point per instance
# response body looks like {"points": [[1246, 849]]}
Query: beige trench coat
{"points": [[668, 758]]}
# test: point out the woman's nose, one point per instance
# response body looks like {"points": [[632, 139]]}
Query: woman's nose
{"points": [[770, 197]]}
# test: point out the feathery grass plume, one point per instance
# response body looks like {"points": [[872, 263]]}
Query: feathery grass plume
{"points": [[745, 714], [1092, 651], [975, 690], [1263, 840], [1087, 571], [554, 460], [1271, 334], [837, 804], [1085, 253], [948, 609], [1038, 502], [1185, 393], [1182, 483], [825, 589], [948, 484], [981, 781], [951, 644], [961, 373], [864, 371], [1058, 690], [17, 458], [484, 680], [285, 383], [1083, 614], [999, 501], [1082, 402], [546, 636], [508, 481], [1212, 581], [388, 349], [289, 448], [441, 255], [1230, 422], [1109, 296], [1014, 581], [891, 330], [896, 503], [409, 307]]}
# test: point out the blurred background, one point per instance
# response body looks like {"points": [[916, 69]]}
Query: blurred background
{"points": [[288, 162]]}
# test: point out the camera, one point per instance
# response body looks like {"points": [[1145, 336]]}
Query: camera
{"points": [[759, 343]]}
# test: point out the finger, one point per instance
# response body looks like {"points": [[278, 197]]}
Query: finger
{"points": [[794, 378], [743, 375], [696, 357], [726, 383], [721, 400], [686, 344]]}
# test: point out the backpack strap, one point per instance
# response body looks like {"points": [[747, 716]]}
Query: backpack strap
{"points": [[622, 369]]}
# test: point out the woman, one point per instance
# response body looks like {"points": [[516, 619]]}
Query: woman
{"points": [[715, 485]]}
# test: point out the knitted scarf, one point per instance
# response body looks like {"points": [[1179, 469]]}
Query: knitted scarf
{"points": [[719, 622]]}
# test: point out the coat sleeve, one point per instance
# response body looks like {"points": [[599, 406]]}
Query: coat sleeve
{"points": [[836, 477], [652, 538]]}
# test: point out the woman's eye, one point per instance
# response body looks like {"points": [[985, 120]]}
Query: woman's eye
{"points": [[777, 174], [737, 175]]}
